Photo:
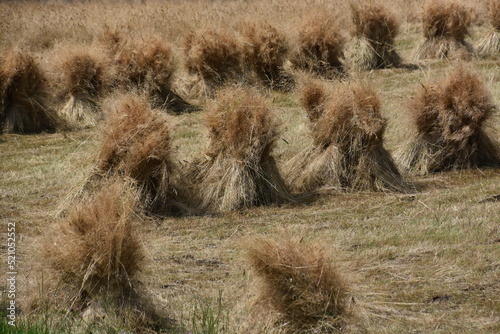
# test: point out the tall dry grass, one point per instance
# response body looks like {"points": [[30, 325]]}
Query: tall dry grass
{"points": [[237, 169], [375, 28], [348, 151], [320, 46], [298, 287], [445, 26], [451, 117], [24, 96], [265, 51]]}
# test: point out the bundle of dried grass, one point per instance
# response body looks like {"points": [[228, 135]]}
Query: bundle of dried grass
{"points": [[95, 254], [237, 169], [375, 28], [491, 42], [450, 116], [24, 98], [84, 75], [265, 52], [136, 145], [298, 285], [149, 66], [215, 57], [320, 46], [347, 150], [445, 26]]}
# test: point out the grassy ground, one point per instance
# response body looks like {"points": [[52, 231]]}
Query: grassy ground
{"points": [[421, 263]]}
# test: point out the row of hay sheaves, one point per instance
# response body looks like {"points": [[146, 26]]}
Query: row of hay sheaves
{"points": [[297, 288], [32, 100]]}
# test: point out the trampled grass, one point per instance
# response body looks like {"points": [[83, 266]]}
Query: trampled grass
{"points": [[426, 262]]}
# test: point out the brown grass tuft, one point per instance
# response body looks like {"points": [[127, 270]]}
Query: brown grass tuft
{"points": [[84, 76], [24, 98], [491, 42], [237, 169], [445, 26], [320, 46], [375, 29], [299, 282], [136, 145], [450, 116], [215, 56], [347, 151], [265, 51]]}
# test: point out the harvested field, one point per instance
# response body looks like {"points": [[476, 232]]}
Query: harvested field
{"points": [[420, 262]]}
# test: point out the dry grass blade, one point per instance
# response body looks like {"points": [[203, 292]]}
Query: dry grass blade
{"points": [[375, 29], [445, 26], [347, 151], [450, 116], [320, 46], [24, 97], [299, 282], [237, 169]]}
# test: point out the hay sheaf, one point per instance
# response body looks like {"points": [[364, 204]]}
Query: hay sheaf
{"points": [[320, 47], [297, 286], [265, 51], [445, 26], [347, 151], [491, 42], [238, 169], [93, 257], [451, 115], [147, 66], [84, 76], [215, 57], [24, 97], [375, 29], [136, 145]]}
